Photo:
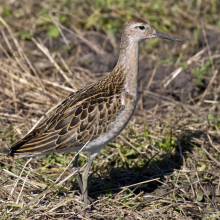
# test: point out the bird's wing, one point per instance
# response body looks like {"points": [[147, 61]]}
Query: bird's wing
{"points": [[72, 124]]}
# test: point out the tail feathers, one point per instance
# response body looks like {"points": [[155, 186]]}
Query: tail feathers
{"points": [[10, 153], [6, 151]]}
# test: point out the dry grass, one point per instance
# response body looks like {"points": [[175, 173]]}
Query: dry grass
{"points": [[165, 164]]}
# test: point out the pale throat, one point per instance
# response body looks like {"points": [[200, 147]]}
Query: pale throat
{"points": [[128, 61]]}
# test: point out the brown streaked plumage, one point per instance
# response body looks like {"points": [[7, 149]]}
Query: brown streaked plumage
{"points": [[81, 117], [95, 114]]}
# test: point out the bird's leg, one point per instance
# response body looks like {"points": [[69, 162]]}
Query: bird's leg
{"points": [[85, 180], [78, 177]]}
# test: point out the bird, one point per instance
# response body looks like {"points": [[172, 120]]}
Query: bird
{"points": [[93, 116]]}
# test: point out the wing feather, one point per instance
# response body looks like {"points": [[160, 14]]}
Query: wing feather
{"points": [[71, 125]]}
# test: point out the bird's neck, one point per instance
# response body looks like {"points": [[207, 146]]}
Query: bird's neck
{"points": [[128, 62]]}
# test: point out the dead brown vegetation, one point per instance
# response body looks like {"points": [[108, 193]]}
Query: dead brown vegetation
{"points": [[165, 165]]}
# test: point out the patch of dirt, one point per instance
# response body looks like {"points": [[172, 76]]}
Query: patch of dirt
{"points": [[101, 64]]}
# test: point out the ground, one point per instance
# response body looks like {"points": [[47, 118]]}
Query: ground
{"points": [[166, 163]]}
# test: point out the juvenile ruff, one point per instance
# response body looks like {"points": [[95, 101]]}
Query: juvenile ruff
{"points": [[95, 114]]}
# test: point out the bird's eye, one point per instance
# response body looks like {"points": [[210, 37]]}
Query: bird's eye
{"points": [[141, 27]]}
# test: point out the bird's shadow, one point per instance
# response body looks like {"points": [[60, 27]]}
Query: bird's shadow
{"points": [[158, 166]]}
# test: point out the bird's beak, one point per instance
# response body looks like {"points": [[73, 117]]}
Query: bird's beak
{"points": [[165, 36]]}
